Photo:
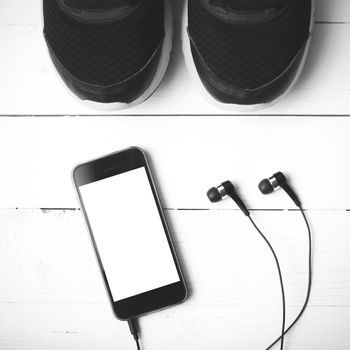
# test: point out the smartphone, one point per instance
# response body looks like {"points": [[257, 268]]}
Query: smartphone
{"points": [[129, 233]]}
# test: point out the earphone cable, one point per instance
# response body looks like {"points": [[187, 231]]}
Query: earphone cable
{"points": [[309, 280], [134, 330], [133, 326], [281, 338], [138, 344]]}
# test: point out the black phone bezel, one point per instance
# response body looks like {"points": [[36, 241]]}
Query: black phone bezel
{"points": [[112, 165]]}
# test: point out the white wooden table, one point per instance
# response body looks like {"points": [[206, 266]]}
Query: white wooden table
{"points": [[51, 294]]}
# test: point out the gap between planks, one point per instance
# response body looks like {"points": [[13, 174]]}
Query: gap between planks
{"points": [[196, 209], [173, 115], [311, 306]]}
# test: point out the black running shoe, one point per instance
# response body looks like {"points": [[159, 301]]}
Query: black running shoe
{"points": [[247, 54], [110, 53]]}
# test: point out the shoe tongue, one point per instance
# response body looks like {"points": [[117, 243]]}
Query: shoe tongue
{"points": [[98, 4], [248, 5]]}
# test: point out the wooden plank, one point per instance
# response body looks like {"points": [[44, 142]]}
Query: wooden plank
{"points": [[31, 86], [46, 257], [188, 155], [29, 11], [90, 327], [330, 11]]}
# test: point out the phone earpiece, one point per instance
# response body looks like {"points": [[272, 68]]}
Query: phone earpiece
{"points": [[227, 189], [271, 184], [214, 194], [265, 186], [278, 180]]}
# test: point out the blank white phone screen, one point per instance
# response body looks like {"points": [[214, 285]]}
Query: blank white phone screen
{"points": [[129, 234]]}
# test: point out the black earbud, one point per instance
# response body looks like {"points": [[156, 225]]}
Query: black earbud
{"points": [[226, 189], [266, 186], [276, 181]]}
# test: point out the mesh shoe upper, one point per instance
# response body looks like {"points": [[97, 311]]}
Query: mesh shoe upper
{"points": [[247, 54], [104, 54], [247, 5]]}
